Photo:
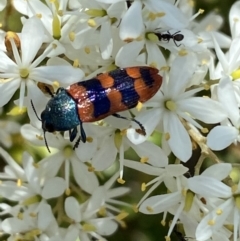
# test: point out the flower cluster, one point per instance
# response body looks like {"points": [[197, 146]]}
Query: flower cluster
{"points": [[60, 196]]}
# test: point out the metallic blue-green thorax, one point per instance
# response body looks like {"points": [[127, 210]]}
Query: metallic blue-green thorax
{"points": [[60, 113]]}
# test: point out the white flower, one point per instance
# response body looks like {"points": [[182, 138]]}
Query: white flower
{"points": [[85, 216], [65, 155], [173, 104], [225, 210], [24, 72]]}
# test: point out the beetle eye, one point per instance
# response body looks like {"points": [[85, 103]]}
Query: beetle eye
{"points": [[48, 127]]}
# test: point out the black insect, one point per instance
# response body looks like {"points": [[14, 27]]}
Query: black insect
{"points": [[176, 37]]}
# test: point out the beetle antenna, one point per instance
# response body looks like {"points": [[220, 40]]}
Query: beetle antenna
{"points": [[35, 111], [45, 140], [44, 135]]}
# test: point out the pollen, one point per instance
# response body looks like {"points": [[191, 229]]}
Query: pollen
{"points": [[236, 74], [91, 169], [15, 111], [204, 130], [122, 215], [219, 211], [151, 16], [72, 36], [143, 187], [182, 52], [89, 139], [144, 159], [163, 222], [170, 105], [211, 222], [167, 136], [87, 50], [39, 15], [56, 84], [201, 11], [92, 23], [39, 137], [139, 106], [149, 209], [19, 182], [167, 238], [121, 181], [68, 192], [135, 208]]}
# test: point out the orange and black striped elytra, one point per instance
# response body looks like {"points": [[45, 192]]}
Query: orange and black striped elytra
{"points": [[167, 36], [94, 99]]}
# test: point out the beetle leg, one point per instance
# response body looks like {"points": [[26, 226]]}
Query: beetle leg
{"points": [[141, 131], [73, 133], [83, 134]]}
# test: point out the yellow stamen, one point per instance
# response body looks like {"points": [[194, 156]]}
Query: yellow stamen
{"points": [[121, 181]]}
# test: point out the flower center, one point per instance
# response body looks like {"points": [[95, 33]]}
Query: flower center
{"points": [[24, 73], [170, 105], [68, 151], [152, 36]]}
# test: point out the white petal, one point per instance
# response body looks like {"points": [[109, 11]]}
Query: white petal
{"points": [[104, 226], [54, 187], [7, 90], [85, 179], [132, 23], [3, 4], [149, 119], [32, 27], [179, 141], [200, 185], [72, 209], [155, 56], [181, 72], [65, 75], [159, 203], [156, 156], [45, 217], [218, 171], [143, 168], [106, 41], [227, 98], [173, 18], [204, 109], [105, 155], [233, 15], [14, 225], [205, 230], [221, 137], [127, 55]]}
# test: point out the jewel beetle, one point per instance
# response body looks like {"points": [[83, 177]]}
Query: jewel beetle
{"points": [[94, 99], [167, 36]]}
